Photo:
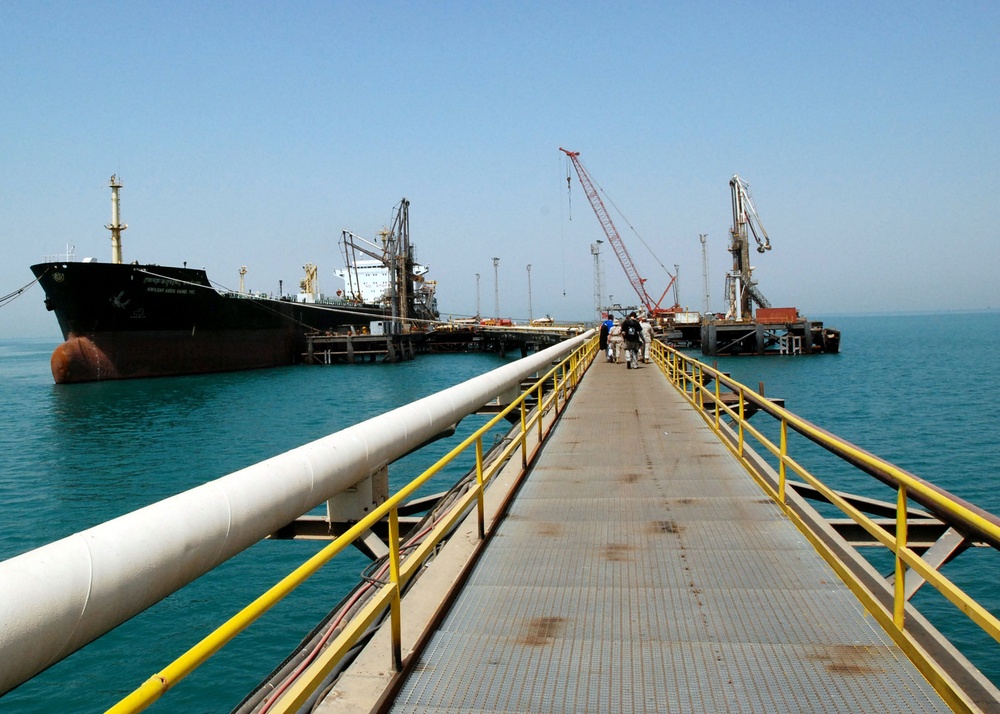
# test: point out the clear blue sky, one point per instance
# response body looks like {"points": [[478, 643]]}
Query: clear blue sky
{"points": [[251, 133]]}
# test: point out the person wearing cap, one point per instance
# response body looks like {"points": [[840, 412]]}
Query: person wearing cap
{"points": [[632, 333]]}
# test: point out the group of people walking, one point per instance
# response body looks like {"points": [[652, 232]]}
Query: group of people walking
{"points": [[632, 334]]}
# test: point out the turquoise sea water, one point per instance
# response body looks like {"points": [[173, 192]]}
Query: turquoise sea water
{"points": [[910, 389]]}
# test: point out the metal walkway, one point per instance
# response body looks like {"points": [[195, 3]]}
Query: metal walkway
{"points": [[642, 569]]}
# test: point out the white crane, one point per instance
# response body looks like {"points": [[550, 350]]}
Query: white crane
{"points": [[741, 289]]}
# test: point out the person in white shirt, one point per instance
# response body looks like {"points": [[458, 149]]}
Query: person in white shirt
{"points": [[647, 338], [615, 341]]}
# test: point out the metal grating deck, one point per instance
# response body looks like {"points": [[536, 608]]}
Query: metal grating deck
{"points": [[641, 569]]}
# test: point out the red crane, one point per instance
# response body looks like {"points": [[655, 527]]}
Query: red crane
{"points": [[638, 283]]}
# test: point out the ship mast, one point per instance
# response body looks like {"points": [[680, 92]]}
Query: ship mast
{"points": [[116, 226]]}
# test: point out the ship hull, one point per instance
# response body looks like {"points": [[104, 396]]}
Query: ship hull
{"points": [[130, 321]]}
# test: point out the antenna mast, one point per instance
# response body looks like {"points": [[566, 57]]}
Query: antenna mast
{"points": [[595, 250], [703, 237]]}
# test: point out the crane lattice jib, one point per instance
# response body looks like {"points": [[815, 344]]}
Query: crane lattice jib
{"points": [[749, 215], [610, 231]]}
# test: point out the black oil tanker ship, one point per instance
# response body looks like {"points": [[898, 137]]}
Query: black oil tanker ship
{"points": [[123, 321]]}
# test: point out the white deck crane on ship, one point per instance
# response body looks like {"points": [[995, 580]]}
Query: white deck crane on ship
{"points": [[412, 307]]}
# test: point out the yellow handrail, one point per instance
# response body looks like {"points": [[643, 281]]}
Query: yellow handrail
{"points": [[565, 375], [688, 376]]}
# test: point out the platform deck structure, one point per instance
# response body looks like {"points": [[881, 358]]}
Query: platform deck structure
{"points": [[641, 569], [335, 349]]}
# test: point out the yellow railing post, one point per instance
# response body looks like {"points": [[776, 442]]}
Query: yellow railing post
{"points": [[396, 611], [524, 433], [741, 421], [556, 387], [541, 395], [480, 502], [718, 397], [899, 598], [781, 460]]}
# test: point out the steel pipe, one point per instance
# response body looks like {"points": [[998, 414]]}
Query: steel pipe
{"points": [[57, 598]]}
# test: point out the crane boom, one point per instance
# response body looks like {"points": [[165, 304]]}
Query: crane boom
{"points": [[638, 283], [745, 213]]}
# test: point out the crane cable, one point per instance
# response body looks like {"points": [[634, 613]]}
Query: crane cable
{"points": [[641, 239], [569, 188], [562, 233]]}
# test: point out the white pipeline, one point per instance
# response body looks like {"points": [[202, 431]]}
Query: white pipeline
{"points": [[57, 598]]}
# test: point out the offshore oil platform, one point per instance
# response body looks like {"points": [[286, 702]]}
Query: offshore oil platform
{"points": [[772, 330]]}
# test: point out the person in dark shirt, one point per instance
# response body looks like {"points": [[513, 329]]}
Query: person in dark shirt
{"points": [[632, 332]]}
